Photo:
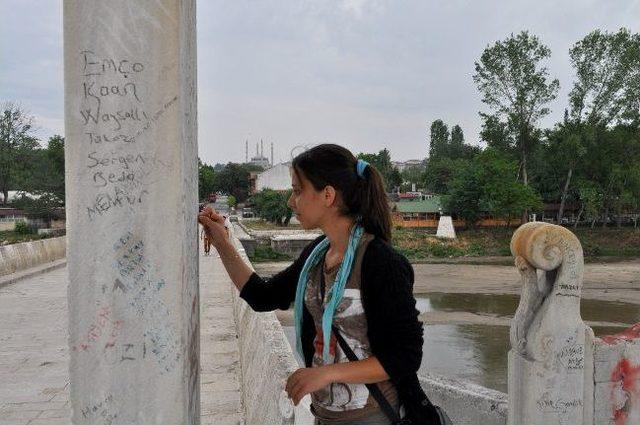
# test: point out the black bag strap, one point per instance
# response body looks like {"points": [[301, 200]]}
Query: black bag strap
{"points": [[373, 388]]}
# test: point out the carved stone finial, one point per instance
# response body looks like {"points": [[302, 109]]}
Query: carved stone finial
{"points": [[547, 369]]}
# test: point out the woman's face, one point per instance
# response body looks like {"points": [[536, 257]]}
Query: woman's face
{"points": [[307, 204]]}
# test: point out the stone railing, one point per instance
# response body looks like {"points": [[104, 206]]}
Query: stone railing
{"points": [[21, 256], [266, 360], [558, 371], [466, 403]]}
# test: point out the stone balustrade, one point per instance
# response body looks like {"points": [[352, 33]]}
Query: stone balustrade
{"points": [[21, 256], [558, 371]]}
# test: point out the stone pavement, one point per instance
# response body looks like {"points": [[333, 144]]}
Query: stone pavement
{"points": [[34, 357]]}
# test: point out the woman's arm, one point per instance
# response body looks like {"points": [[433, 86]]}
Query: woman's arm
{"points": [[213, 224], [261, 295], [394, 331], [239, 271], [311, 379], [279, 291]]}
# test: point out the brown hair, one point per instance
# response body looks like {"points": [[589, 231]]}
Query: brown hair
{"points": [[363, 198]]}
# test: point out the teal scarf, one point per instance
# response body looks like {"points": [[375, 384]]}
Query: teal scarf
{"points": [[337, 290]]}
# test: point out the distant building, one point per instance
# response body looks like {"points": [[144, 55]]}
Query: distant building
{"points": [[276, 178], [403, 165], [9, 216], [260, 161], [420, 210]]}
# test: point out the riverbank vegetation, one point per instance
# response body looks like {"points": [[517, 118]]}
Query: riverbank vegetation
{"points": [[8, 237], [421, 244]]}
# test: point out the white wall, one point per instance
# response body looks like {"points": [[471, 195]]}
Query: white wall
{"points": [[276, 178]]}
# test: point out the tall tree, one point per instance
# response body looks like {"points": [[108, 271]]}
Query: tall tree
{"points": [[55, 159], [16, 143], [607, 67], [439, 140], [515, 84], [486, 184], [382, 162], [206, 180], [456, 146], [234, 180], [272, 205], [413, 175]]}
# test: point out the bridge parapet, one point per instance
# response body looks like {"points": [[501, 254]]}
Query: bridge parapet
{"points": [[21, 256]]}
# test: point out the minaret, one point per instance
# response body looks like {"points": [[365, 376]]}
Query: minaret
{"points": [[272, 154], [261, 149], [246, 151]]}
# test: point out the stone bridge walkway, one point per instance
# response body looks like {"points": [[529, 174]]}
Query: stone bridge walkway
{"points": [[34, 357]]}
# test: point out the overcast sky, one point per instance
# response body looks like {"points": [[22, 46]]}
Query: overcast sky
{"points": [[366, 74]]}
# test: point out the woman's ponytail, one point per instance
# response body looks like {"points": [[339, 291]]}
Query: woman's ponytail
{"points": [[374, 207], [360, 185]]}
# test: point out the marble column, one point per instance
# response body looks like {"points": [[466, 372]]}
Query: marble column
{"points": [[131, 164]]}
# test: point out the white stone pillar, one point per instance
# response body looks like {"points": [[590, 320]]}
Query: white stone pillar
{"points": [[445, 228], [131, 158], [551, 357]]}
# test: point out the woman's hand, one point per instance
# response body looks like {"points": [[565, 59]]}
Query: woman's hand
{"points": [[213, 224], [305, 381]]}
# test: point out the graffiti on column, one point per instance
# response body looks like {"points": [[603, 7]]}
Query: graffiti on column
{"points": [[114, 115], [142, 290]]}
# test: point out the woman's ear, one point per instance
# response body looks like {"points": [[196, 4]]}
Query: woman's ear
{"points": [[329, 196]]}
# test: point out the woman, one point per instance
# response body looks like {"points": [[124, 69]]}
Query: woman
{"points": [[349, 280]]}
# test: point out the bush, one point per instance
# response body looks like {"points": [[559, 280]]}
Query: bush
{"points": [[22, 228]]}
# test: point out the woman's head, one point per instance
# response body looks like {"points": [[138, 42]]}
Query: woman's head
{"points": [[325, 182]]}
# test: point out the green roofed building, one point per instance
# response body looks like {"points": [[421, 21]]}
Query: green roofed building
{"points": [[417, 210]]}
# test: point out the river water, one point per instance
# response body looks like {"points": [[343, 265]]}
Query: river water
{"points": [[478, 352]]}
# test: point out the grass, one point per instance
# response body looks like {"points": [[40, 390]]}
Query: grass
{"points": [[266, 225], [616, 242], [10, 237], [266, 253], [419, 244]]}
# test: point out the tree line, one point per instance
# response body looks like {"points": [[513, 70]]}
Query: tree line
{"points": [[591, 159], [27, 166]]}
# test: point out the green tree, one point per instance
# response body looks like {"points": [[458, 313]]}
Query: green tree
{"points": [[231, 201], [234, 180], [440, 172], [591, 201], [44, 206], [456, 146], [272, 206], [382, 162], [43, 171], [607, 67], [487, 184], [206, 180], [515, 84], [16, 146], [413, 175], [55, 160], [439, 140], [565, 150]]}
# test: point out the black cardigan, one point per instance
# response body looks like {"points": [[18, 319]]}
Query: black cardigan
{"points": [[394, 331]]}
